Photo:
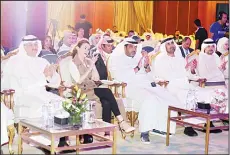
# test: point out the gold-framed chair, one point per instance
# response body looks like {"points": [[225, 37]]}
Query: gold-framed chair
{"points": [[9, 54], [8, 100], [151, 62], [204, 83]]}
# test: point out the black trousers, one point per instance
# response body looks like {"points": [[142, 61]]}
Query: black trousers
{"points": [[108, 102]]}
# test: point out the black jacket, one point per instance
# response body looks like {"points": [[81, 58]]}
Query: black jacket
{"points": [[101, 68], [182, 51]]}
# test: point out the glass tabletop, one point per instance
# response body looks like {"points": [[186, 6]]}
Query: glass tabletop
{"points": [[56, 128]]}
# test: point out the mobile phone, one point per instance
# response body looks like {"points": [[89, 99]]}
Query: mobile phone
{"points": [[153, 84]]}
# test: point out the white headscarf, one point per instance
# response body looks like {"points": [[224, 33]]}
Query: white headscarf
{"points": [[208, 64], [163, 48], [119, 50], [29, 39], [206, 43], [220, 45]]}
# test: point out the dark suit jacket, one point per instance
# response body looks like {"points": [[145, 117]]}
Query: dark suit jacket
{"points": [[101, 68], [182, 51]]}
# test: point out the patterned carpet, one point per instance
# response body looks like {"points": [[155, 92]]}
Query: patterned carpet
{"points": [[179, 144]]}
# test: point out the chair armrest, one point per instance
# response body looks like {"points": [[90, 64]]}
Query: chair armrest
{"points": [[61, 88], [7, 98], [116, 86]]}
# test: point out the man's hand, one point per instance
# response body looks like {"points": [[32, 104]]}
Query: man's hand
{"points": [[193, 64], [223, 66], [49, 70], [140, 62], [98, 83], [146, 61], [202, 80], [163, 83]]}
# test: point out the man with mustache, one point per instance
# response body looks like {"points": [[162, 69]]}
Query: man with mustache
{"points": [[170, 66], [152, 102], [209, 62]]}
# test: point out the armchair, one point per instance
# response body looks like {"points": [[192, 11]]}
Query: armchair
{"points": [[205, 83], [65, 88], [7, 99]]}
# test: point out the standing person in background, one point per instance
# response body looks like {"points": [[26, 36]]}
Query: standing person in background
{"points": [[87, 26], [200, 34], [216, 29], [226, 28]]}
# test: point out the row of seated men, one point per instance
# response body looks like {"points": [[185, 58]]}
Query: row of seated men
{"points": [[28, 75]]}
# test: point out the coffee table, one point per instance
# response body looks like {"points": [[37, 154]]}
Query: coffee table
{"points": [[58, 131], [198, 113]]}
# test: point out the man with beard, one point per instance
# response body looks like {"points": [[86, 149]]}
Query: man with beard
{"points": [[124, 65], [170, 66], [109, 103], [216, 29]]}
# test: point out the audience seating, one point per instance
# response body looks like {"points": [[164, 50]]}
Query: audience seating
{"points": [[8, 100]]}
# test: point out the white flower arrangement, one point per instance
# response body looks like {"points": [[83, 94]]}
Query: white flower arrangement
{"points": [[219, 100], [77, 104]]}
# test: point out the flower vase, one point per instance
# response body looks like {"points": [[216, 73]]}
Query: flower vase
{"points": [[75, 120]]}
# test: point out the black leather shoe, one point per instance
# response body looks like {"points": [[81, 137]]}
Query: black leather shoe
{"points": [[63, 143], [212, 131], [189, 131], [225, 122], [87, 139], [46, 152]]}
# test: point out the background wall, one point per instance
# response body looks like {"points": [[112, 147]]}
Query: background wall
{"points": [[207, 12], [167, 16], [172, 15], [99, 13], [13, 22], [36, 18]]}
